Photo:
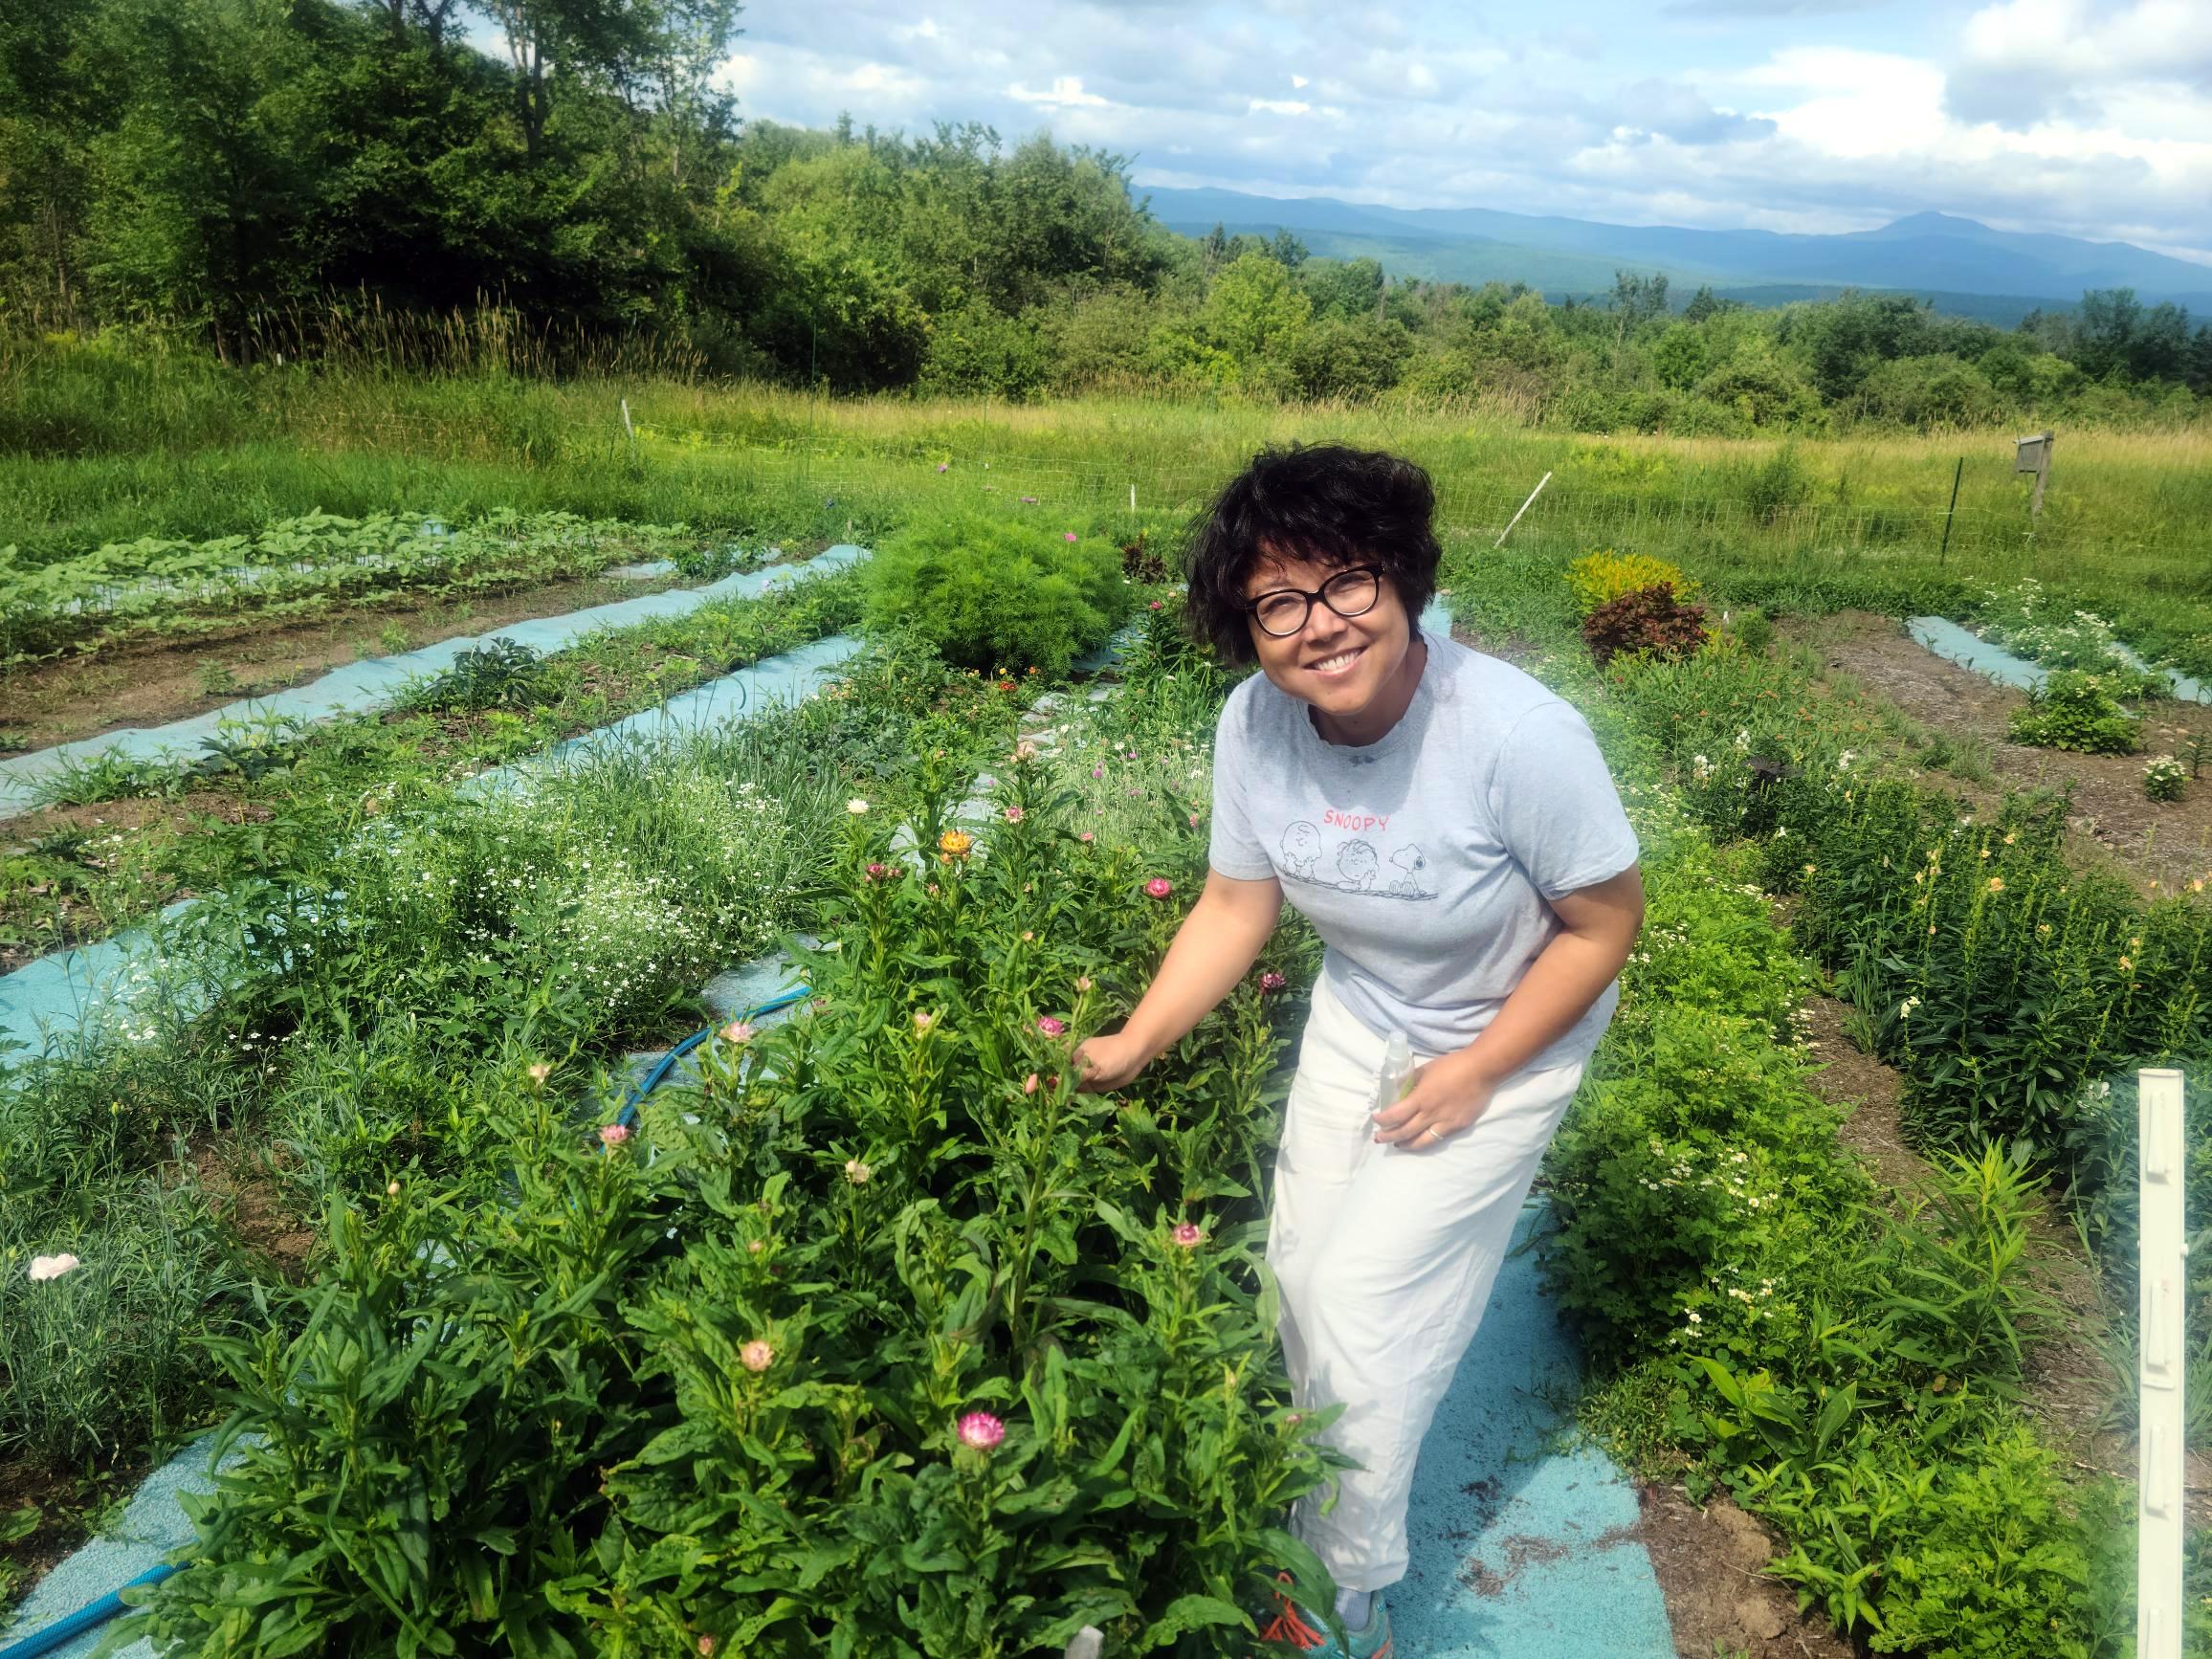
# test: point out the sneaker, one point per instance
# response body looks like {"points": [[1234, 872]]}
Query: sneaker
{"points": [[1297, 1630]]}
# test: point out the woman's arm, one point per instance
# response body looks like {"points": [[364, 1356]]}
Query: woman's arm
{"points": [[1599, 926], [1217, 942]]}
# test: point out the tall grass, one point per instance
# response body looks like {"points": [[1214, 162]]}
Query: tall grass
{"points": [[101, 443]]}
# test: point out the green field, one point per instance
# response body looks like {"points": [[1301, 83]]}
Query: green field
{"points": [[115, 448]]}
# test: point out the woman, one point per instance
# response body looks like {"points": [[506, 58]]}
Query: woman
{"points": [[1450, 830]]}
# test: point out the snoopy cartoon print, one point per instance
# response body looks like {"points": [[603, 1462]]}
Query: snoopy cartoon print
{"points": [[1357, 864], [1301, 850], [1412, 861]]}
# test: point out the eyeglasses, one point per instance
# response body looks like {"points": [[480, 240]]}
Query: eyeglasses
{"points": [[1282, 611]]}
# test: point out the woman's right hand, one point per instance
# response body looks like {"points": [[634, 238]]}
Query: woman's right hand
{"points": [[1104, 1064]]}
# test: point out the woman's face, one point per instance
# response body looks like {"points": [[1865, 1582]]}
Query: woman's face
{"points": [[1339, 664]]}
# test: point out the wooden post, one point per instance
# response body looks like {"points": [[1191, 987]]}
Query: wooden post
{"points": [[2032, 454]]}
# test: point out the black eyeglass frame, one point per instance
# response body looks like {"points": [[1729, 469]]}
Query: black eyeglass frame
{"points": [[1375, 572]]}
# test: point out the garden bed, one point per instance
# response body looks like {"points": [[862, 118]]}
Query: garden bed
{"points": [[154, 681], [2166, 842]]}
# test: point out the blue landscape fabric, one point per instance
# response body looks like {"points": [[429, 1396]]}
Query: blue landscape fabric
{"points": [[1948, 640], [1520, 1539], [374, 682]]}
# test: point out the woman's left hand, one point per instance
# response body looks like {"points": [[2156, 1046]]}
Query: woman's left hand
{"points": [[1445, 1097]]}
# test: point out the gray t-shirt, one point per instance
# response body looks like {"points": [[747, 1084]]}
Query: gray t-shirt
{"points": [[1424, 860]]}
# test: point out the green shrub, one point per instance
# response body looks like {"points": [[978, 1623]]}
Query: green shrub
{"points": [[2074, 710], [997, 593], [2163, 778]]}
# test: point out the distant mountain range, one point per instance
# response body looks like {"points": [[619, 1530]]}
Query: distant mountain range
{"points": [[1964, 266]]}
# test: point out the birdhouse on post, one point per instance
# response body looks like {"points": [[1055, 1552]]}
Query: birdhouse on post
{"points": [[2032, 454]]}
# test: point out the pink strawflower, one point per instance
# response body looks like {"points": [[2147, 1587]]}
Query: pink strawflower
{"points": [[1086, 836], [757, 1355], [44, 1268], [1029, 1084], [1189, 1236], [980, 1430], [736, 1031], [541, 1071], [923, 1019], [1273, 981], [1194, 820], [1155, 605], [614, 1134], [857, 1172], [707, 1643], [940, 467], [755, 1245], [1082, 982], [1025, 750], [1070, 534], [874, 871], [1160, 887], [1097, 771], [1051, 1027], [1014, 815]]}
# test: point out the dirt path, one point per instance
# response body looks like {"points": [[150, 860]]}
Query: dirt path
{"points": [[2166, 842], [152, 682]]}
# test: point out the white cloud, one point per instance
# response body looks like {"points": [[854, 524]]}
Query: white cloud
{"points": [[1065, 93], [1790, 121]]}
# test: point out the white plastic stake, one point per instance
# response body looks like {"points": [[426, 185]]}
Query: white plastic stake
{"points": [[1133, 497], [2158, 1477], [1524, 507], [626, 425], [1087, 1643]]}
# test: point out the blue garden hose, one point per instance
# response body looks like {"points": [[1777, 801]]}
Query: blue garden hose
{"points": [[626, 1116], [94, 1614], [89, 1617]]}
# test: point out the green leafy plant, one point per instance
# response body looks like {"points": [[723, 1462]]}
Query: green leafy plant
{"points": [[998, 593], [2165, 777], [2074, 710]]}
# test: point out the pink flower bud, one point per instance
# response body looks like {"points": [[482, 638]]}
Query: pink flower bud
{"points": [[736, 1031], [980, 1430], [1189, 1236], [1051, 1027], [1029, 1084], [757, 1355], [1013, 814], [614, 1134], [1160, 887], [1273, 981]]}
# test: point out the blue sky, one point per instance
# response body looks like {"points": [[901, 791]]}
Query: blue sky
{"points": [[2068, 116]]}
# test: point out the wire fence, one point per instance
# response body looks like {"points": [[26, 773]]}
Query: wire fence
{"points": [[1610, 502]]}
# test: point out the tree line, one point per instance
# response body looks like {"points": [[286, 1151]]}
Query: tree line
{"points": [[235, 169]]}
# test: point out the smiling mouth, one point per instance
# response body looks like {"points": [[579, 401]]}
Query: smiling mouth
{"points": [[1337, 664]]}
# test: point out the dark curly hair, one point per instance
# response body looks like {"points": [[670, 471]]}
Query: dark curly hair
{"points": [[1328, 504]]}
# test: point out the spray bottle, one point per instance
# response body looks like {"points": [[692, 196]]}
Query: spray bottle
{"points": [[1397, 1073]]}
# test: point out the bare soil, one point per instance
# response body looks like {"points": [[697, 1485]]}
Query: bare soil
{"points": [[256, 1208], [151, 682], [2151, 841], [1712, 1567]]}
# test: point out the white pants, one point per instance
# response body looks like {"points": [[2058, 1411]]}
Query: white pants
{"points": [[1387, 1257]]}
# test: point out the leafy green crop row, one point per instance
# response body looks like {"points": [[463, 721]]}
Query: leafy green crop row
{"points": [[299, 567]]}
